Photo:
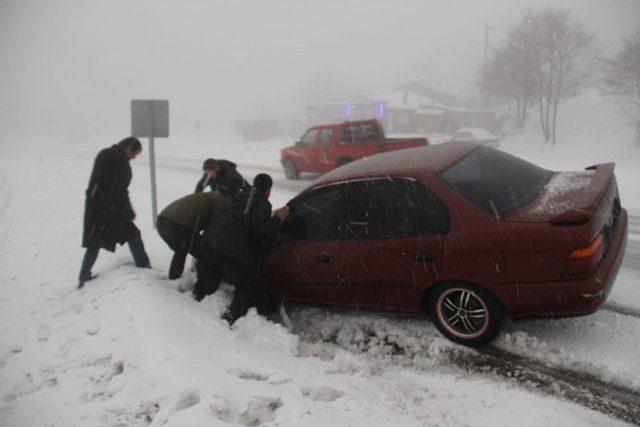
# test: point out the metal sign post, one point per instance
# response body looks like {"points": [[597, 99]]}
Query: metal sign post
{"points": [[149, 119], [152, 170]]}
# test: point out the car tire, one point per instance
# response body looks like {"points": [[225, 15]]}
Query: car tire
{"points": [[465, 313], [290, 170]]}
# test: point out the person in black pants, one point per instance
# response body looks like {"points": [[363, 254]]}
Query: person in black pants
{"points": [[180, 224], [233, 241], [108, 215]]}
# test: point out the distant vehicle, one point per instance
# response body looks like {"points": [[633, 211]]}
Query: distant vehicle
{"points": [[466, 233], [477, 135], [326, 147]]}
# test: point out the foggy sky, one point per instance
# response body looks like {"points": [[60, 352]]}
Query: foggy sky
{"points": [[77, 64]]}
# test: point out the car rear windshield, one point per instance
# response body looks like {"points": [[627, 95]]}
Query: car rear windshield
{"points": [[496, 181]]}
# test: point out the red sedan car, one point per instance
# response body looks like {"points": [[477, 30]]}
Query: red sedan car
{"points": [[463, 232]]}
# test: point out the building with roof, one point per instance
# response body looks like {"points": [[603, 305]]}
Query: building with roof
{"points": [[408, 109]]}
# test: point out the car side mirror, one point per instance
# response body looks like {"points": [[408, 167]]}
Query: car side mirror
{"points": [[298, 144]]}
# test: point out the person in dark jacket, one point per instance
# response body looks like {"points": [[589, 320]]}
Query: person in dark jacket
{"points": [[221, 175], [232, 242], [108, 215], [180, 224]]}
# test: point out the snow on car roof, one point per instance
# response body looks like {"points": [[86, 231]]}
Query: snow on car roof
{"points": [[427, 160]]}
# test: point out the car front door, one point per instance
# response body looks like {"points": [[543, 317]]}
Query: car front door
{"points": [[323, 158], [304, 162], [393, 243], [303, 265]]}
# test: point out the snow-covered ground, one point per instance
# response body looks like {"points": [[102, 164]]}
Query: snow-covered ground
{"points": [[132, 349]]}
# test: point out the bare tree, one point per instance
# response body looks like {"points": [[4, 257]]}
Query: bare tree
{"points": [[510, 73], [546, 56], [623, 78], [560, 47]]}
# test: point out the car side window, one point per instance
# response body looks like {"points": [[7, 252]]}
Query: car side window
{"points": [[309, 138], [316, 216], [388, 208], [350, 134], [325, 137], [369, 132]]}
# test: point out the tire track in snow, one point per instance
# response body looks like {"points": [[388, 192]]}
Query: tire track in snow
{"points": [[579, 387], [409, 345], [620, 309], [631, 258]]}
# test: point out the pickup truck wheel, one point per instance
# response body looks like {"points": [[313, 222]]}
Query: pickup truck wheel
{"points": [[465, 313], [290, 170]]}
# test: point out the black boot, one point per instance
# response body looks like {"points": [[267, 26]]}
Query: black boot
{"points": [[82, 282], [230, 317]]}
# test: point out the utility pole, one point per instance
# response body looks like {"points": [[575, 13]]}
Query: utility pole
{"points": [[484, 95]]}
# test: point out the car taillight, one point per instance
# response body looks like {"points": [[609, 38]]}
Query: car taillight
{"points": [[582, 262]]}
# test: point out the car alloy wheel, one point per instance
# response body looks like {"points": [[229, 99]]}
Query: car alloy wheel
{"points": [[463, 313]]}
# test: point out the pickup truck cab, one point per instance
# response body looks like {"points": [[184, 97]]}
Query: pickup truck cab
{"points": [[325, 147]]}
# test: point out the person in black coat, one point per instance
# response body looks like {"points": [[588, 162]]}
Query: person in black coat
{"points": [[230, 247], [108, 215], [221, 175]]}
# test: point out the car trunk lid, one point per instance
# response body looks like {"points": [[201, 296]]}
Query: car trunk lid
{"points": [[571, 198]]}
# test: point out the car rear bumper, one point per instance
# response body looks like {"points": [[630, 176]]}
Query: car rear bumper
{"points": [[570, 297]]}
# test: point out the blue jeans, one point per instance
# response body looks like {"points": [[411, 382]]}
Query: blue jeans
{"points": [[91, 254]]}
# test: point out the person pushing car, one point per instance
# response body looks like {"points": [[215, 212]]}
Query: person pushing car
{"points": [[180, 224], [232, 243]]}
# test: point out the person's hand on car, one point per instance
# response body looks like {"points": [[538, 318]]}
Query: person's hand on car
{"points": [[281, 213]]}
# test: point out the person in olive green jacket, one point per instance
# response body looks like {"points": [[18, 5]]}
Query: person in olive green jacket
{"points": [[180, 224]]}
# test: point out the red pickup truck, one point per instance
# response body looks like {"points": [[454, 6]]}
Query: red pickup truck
{"points": [[326, 147]]}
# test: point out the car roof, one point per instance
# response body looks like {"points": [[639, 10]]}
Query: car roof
{"points": [[345, 123], [411, 162]]}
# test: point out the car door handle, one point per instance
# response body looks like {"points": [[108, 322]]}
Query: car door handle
{"points": [[324, 258], [424, 257]]}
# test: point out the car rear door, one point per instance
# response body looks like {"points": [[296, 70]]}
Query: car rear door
{"points": [[352, 145], [303, 265], [393, 243]]}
